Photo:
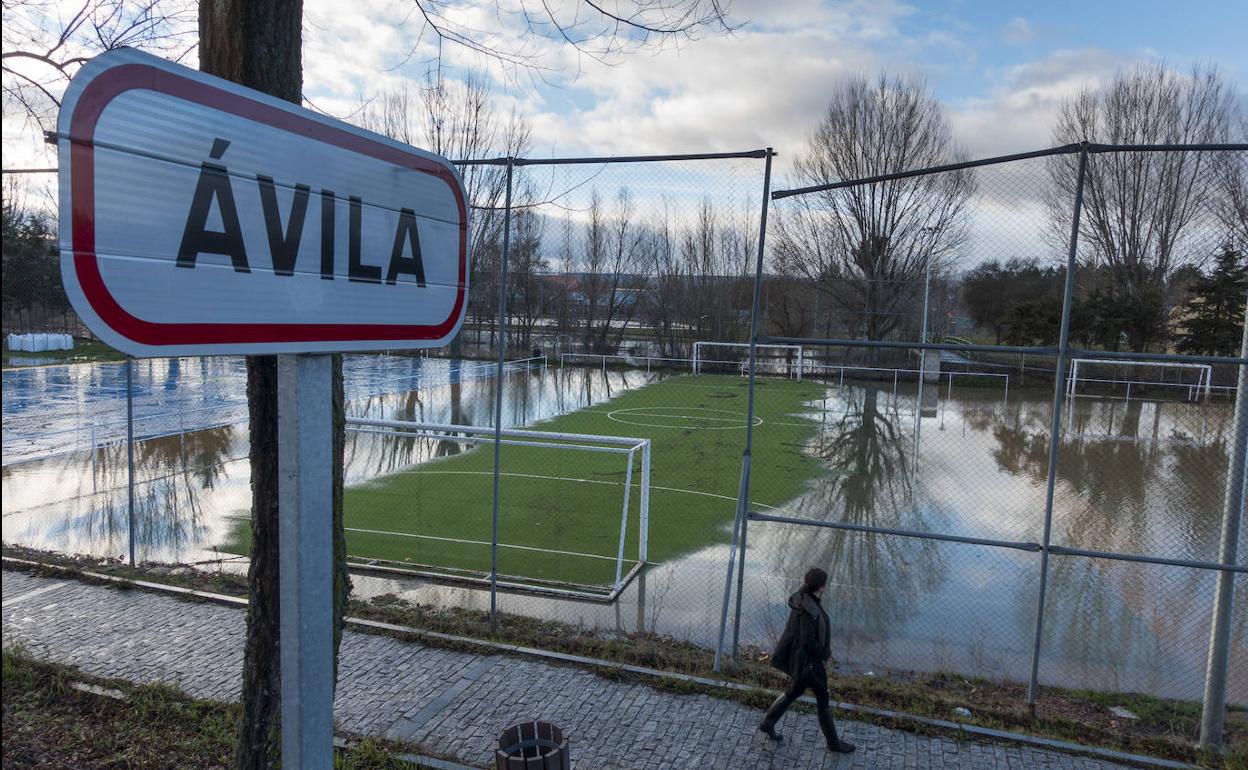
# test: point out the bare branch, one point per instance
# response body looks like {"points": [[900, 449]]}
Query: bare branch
{"points": [[867, 246], [42, 52], [589, 27]]}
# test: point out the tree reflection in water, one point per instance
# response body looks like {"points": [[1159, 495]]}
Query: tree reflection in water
{"points": [[1133, 478], [173, 476], [874, 580]]}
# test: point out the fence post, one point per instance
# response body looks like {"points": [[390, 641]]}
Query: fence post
{"points": [[743, 491], [498, 399], [1055, 426], [130, 449], [1232, 516]]}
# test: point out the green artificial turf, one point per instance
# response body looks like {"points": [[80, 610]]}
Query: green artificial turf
{"points": [[556, 499]]}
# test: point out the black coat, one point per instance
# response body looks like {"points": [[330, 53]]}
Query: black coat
{"points": [[805, 641]]}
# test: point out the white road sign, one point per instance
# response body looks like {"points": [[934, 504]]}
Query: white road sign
{"points": [[201, 217]]}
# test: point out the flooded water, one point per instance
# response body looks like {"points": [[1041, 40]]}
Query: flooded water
{"points": [[191, 469], [1138, 477]]}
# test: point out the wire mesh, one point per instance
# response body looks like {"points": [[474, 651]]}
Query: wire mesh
{"points": [[976, 256], [615, 272]]}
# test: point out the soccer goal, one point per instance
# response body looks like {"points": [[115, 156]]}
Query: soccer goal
{"points": [[783, 360], [1193, 382], [567, 505]]}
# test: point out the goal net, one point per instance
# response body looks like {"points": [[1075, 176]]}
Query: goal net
{"points": [[573, 512], [734, 358], [1127, 379]]}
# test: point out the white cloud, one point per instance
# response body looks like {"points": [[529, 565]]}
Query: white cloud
{"points": [[723, 94], [1018, 30], [1017, 114]]}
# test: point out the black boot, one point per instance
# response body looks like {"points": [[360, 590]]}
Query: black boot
{"points": [[768, 726], [829, 732]]}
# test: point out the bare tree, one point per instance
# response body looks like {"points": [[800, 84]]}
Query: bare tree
{"points": [[622, 280], [457, 119], [612, 256], [1139, 207], [665, 304], [598, 31], [43, 46], [1231, 204], [568, 288], [597, 233], [525, 294], [865, 247]]}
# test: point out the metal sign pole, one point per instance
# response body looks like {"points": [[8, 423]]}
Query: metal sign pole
{"points": [[306, 493]]}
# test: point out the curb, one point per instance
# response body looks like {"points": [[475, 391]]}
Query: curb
{"points": [[958, 728]]}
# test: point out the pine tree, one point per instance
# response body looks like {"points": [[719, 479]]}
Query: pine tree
{"points": [[1215, 313]]}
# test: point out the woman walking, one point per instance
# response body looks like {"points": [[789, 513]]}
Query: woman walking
{"points": [[803, 649]]}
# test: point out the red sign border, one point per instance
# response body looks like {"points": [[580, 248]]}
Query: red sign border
{"points": [[111, 83]]}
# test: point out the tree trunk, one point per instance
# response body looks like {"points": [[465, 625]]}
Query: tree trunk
{"points": [[342, 581], [259, 734], [257, 43]]}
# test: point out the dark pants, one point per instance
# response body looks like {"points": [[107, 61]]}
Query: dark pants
{"points": [[814, 678]]}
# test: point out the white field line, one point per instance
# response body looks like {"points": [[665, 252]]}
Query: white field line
{"points": [[740, 419], [476, 542], [582, 481], [631, 413]]}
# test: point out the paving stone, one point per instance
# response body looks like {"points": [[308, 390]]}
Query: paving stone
{"points": [[455, 703]]}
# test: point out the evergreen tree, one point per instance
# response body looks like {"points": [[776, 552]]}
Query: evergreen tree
{"points": [[32, 271], [1215, 313]]}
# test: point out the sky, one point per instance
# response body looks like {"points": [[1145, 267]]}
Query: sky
{"points": [[1000, 69]]}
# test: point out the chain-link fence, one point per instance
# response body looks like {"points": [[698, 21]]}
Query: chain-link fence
{"points": [[1009, 468], [1078, 536], [614, 268]]}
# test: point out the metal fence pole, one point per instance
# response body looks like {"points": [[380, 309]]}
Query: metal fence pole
{"points": [[498, 399], [743, 492], [1059, 391], [927, 282], [130, 449], [1232, 517]]}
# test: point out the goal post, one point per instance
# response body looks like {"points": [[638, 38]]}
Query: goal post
{"points": [[1084, 370], [789, 361], [450, 545]]}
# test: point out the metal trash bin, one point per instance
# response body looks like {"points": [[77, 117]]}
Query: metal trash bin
{"points": [[532, 746]]}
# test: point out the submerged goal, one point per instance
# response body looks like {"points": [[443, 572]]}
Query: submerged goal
{"points": [[772, 359], [434, 522]]}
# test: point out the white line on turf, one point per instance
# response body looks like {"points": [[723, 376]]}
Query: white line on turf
{"points": [[586, 481], [478, 542]]}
